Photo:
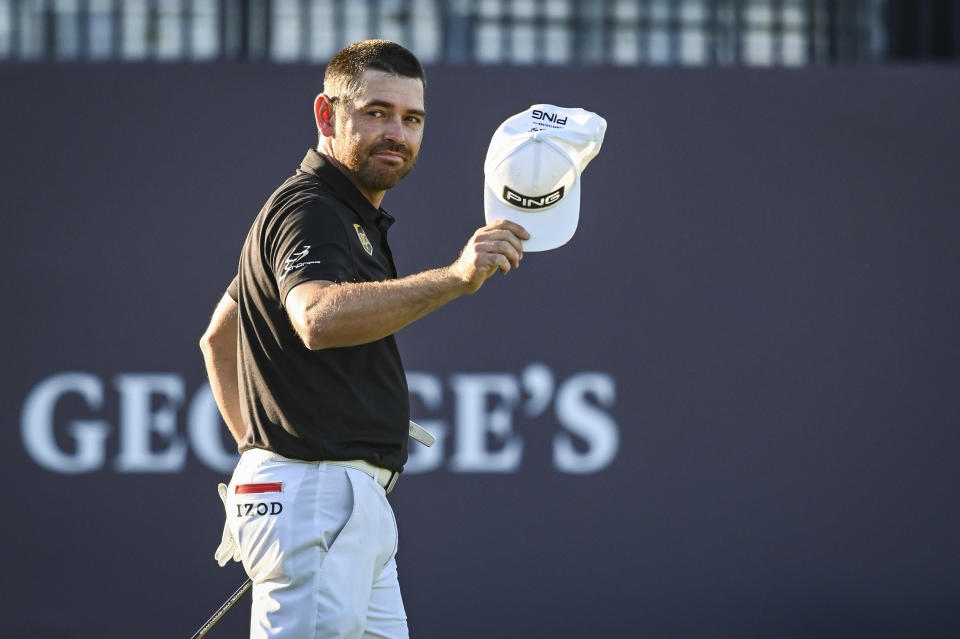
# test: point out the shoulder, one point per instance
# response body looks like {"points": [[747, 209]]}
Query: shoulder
{"points": [[298, 207], [301, 210], [300, 193]]}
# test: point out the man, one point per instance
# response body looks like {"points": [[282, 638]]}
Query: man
{"points": [[305, 368]]}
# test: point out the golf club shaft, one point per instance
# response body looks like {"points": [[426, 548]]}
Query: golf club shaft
{"points": [[222, 610]]}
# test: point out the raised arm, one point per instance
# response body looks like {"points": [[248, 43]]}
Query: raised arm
{"points": [[219, 348], [328, 315]]}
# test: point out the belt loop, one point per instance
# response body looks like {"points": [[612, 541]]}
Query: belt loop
{"points": [[394, 476]]}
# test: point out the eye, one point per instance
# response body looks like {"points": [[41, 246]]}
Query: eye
{"points": [[414, 119], [375, 113]]}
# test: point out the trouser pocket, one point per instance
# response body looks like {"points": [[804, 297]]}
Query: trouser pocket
{"points": [[286, 515]]}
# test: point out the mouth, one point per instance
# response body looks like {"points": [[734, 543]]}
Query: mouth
{"points": [[390, 156]]}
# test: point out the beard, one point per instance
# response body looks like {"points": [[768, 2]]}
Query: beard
{"points": [[373, 175]]}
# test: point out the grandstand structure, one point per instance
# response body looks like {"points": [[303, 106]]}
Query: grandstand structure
{"points": [[515, 32]]}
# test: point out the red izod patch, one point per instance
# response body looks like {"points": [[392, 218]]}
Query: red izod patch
{"points": [[254, 489]]}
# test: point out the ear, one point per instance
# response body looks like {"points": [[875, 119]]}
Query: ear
{"points": [[323, 112]]}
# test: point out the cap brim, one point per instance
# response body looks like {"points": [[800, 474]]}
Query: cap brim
{"points": [[548, 228]]}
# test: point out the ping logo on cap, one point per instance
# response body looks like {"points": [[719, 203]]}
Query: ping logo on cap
{"points": [[549, 117], [529, 202]]}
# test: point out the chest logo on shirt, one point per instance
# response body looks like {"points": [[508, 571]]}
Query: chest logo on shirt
{"points": [[367, 246]]}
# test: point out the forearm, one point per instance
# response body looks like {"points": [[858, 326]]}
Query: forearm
{"points": [[349, 314], [223, 376], [219, 348]]}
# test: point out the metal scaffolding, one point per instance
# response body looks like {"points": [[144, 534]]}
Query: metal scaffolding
{"points": [[531, 32]]}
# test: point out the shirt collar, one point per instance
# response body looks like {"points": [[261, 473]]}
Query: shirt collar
{"points": [[320, 166]]}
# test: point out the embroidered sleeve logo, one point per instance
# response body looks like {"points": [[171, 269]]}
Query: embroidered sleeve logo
{"points": [[297, 261]]}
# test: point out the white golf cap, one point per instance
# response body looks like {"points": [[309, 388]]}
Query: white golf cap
{"points": [[532, 171]]}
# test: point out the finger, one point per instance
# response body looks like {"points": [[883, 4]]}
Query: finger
{"points": [[503, 235], [490, 263], [513, 227], [502, 262], [503, 247]]}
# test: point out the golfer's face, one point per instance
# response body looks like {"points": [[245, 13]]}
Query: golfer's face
{"points": [[378, 132]]}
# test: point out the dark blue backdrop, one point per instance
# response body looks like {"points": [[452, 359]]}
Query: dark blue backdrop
{"points": [[727, 408]]}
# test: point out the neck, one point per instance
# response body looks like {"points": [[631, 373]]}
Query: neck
{"points": [[374, 197]]}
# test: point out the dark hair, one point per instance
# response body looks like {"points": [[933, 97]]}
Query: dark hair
{"points": [[345, 70]]}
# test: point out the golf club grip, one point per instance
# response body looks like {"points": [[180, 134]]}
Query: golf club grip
{"points": [[227, 605]]}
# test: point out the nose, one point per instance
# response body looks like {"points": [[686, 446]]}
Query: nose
{"points": [[395, 131]]}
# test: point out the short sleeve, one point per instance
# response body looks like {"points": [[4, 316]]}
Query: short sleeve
{"points": [[234, 289], [309, 243]]}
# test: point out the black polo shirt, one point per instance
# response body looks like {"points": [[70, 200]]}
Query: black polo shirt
{"points": [[335, 403]]}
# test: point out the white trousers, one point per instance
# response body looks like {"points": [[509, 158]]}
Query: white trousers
{"points": [[319, 542]]}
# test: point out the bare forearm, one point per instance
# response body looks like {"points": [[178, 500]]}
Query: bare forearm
{"points": [[357, 313], [328, 315], [226, 391], [219, 348]]}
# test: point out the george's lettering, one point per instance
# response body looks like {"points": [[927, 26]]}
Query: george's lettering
{"points": [[71, 421]]}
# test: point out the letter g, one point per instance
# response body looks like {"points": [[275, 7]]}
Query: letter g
{"points": [[37, 424]]}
